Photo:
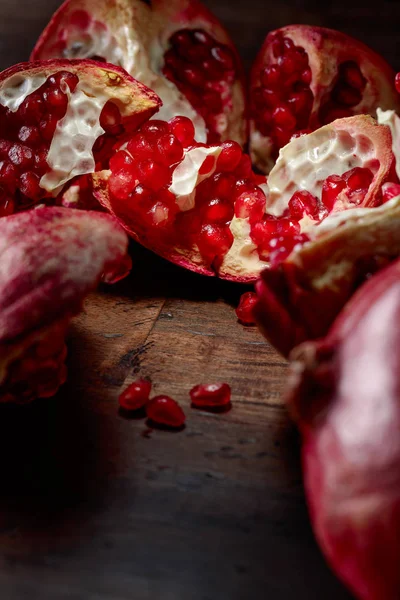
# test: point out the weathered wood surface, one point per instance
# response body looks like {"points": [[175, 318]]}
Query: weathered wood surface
{"points": [[90, 508]]}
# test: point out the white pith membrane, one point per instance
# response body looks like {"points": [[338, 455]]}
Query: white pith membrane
{"points": [[392, 120]]}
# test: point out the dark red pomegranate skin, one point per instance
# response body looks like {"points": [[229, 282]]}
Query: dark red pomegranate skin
{"points": [[344, 393]]}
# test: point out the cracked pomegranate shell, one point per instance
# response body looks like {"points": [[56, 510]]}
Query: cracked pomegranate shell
{"points": [[175, 47], [344, 393], [51, 258], [58, 121], [203, 208], [305, 77]]}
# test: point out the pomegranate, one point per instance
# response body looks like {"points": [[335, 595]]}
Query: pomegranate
{"points": [[202, 207], [244, 311], [211, 395], [51, 258], [344, 394], [164, 410], [305, 77], [176, 47], [56, 120], [136, 395]]}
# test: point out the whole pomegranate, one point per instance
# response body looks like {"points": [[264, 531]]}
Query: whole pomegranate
{"points": [[305, 77], [175, 47], [45, 275], [203, 208], [344, 393], [58, 120]]}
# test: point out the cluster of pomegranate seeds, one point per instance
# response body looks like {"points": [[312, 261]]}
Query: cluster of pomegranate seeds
{"points": [[354, 183], [283, 101], [211, 395], [136, 395], [203, 70], [164, 410], [345, 95], [244, 311]]}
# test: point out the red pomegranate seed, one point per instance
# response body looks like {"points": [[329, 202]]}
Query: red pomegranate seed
{"points": [[140, 148], [230, 156], [8, 175], [207, 165], [281, 136], [244, 168], [182, 40], [183, 129], [358, 178], [7, 206], [47, 127], [397, 82], [251, 205], [141, 198], [170, 150], [288, 44], [331, 188], [224, 186], [224, 57], [193, 77], [163, 410], [265, 230], [287, 64], [154, 129], [287, 227], [21, 156], [136, 395], [32, 108], [301, 102], [64, 79], [56, 101], [210, 395], [5, 147], [41, 160], [277, 46], [121, 184], [270, 98], [201, 37], [283, 118], [152, 174], [389, 191], [29, 184], [283, 246], [244, 311], [352, 75], [217, 211], [29, 135], [213, 101], [110, 118], [271, 77], [214, 241], [303, 203], [121, 160], [306, 76]]}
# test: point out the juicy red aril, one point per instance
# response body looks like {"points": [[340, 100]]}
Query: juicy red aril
{"points": [[170, 150], [283, 246], [230, 156], [183, 129], [32, 108], [29, 185], [358, 179], [7, 206], [64, 79], [152, 174], [110, 118], [210, 395], [397, 82], [122, 183], [154, 129], [8, 175], [214, 241], [163, 410], [121, 160], [270, 77], [29, 135], [263, 231], [287, 227], [251, 205], [244, 311], [141, 198], [390, 190], [56, 101], [139, 147], [136, 395], [303, 203], [283, 118], [47, 127], [331, 188], [207, 165], [217, 210], [21, 156]]}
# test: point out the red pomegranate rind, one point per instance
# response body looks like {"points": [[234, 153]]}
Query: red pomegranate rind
{"points": [[344, 395], [200, 76], [51, 258], [57, 119], [300, 298], [314, 76]]}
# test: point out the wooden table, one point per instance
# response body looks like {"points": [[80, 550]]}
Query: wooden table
{"points": [[93, 508]]}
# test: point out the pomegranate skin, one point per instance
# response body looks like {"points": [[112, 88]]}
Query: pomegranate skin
{"points": [[344, 393], [327, 50], [45, 275]]}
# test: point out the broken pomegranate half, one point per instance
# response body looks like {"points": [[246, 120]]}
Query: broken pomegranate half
{"points": [[175, 47], [56, 120], [202, 207], [344, 395], [305, 77], [51, 258]]}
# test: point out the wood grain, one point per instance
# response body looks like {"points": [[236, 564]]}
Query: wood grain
{"points": [[93, 509]]}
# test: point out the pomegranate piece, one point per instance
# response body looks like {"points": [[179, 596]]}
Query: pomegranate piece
{"points": [[136, 395], [181, 52], [305, 77], [163, 410], [211, 395], [344, 395], [244, 311], [53, 115], [45, 275], [210, 213]]}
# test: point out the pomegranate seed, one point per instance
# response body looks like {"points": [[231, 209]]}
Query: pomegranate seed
{"points": [[121, 160], [140, 148], [8, 175], [21, 156], [32, 108], [301, 102], [41, 160], [64, 79], [47, 127], [302, 203], [136, 395], [217, 210], [214, 241], [152, 174], [110, 118], [56, 101], [288, 227], [213, 101], [169, 150], [183, 129], [358, 178], [265, 230], [201, 37], [224, 57], [331, 188], [30, 186], [287, 64], [7, 205], [306, 76], [223, 186], [271, 77], [281, 136], [244, 311], [163, 410], [389, 191], [251, 205], [5, 147], [210, 395], [271, 97], [230, 156], [299, 55], [277, 46], [121, 184], [353, 76], [154, 129], [207, 166], [141, 198], [282, 248], [193, 77], [283, 118], [244, 168], [29, 135], [288, 45], [397, 82]]}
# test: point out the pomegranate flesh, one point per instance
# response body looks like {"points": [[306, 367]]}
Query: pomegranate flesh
{"points": [[52, 257], [344, 393], [56, 120], [177, 48], [305, 77], [203, 208]]}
